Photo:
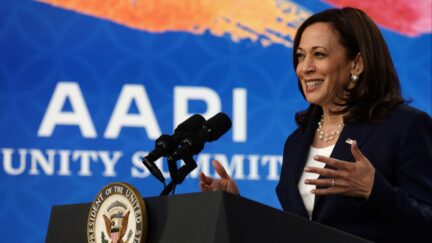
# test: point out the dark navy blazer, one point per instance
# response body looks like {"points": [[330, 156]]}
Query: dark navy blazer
{"points": [[399, 208]]}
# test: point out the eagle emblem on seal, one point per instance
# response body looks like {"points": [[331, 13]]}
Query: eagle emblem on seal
{"points": [[116, 221]]}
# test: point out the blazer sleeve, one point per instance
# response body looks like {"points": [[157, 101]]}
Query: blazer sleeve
{"points": [[409, 205]]}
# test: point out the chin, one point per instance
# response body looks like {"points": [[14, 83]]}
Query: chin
{"points": [[312, 99]]}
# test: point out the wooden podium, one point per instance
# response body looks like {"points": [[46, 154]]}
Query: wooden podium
{"points": [[204, 217]]}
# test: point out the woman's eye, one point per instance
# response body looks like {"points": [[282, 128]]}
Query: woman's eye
{"points": [[319, 54], [299, 55]]}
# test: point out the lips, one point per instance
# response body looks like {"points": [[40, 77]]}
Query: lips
{"points": [[312, 84]]}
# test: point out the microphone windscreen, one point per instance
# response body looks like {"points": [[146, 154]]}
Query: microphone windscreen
{"points": [[192, 124], [217, 126]]}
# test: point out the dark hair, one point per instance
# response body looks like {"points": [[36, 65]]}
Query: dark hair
{"points": [[377, 91]]}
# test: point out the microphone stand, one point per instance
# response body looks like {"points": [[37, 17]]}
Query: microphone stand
{"points": [[178, 175]]}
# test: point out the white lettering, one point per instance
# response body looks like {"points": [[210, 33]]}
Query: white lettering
{"points": [[121, 118], [55, 114], [274, 162], [139, 170], [84, 157], [79, 116], [58, 162], [236, 164], [185, 93], [46, 164], [239, 115], [64, 163], [253, 167], [7, 161], [109, 162]]}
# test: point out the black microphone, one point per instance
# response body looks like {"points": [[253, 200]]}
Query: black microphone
{"points": [[166, 144], [211, 130]]}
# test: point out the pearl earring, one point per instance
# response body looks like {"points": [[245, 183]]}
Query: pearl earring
{"points": [[354, 77]]}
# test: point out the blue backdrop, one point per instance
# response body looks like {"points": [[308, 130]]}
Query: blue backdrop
{"points": [[83, 96]]}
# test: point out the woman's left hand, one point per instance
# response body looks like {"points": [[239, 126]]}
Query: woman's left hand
{"points": [[345, 178]]}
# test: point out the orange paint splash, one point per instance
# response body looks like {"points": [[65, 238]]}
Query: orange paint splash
{"points": [[264, 21]]}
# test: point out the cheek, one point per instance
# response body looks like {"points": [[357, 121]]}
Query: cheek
{"points": [[338, 75], [299, 67], [297, 70]]}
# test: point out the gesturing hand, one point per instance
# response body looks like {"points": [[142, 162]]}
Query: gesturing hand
{"points": [[345, 178], [225, 183]]}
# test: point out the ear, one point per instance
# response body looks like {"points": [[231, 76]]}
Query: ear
{"points": [[357, 65]]}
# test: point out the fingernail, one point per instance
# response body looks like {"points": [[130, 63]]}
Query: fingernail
{"points": [[307, 169], [313, 191], [307, 181]]}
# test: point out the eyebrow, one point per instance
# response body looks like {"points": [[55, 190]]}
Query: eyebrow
{"points": [[313, 48]]}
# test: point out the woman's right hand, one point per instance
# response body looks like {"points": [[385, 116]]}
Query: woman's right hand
{"points": [[225, 183]]}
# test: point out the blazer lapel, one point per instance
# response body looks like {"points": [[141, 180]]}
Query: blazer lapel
{"points": [[342, 150], [300, 156], [359, 132], [303, 149]]}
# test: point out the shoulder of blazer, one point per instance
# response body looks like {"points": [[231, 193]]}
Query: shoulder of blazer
{"points": [[402, 116], [302, 134]]}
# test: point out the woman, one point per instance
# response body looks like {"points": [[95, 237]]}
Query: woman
{"points": [[361, 160]]}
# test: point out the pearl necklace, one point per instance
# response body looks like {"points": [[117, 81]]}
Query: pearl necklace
{"points": [[328, 136]]}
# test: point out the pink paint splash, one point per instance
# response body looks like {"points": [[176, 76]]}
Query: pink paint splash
{"points": [[408, 17]]}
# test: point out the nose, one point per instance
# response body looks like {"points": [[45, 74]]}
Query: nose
{"points": [[307, 65]]}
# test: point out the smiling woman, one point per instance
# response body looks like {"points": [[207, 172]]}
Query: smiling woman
{"points": [[360, 160], [323, 65], [365, 83], [346, 73]]}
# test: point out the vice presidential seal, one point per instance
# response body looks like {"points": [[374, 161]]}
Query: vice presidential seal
{"points": [[117, 215]]}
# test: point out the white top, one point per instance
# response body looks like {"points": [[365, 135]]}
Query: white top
{"points": [[305, 190]]}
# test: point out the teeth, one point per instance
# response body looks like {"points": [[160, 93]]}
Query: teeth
{"points": [[314, 82]]}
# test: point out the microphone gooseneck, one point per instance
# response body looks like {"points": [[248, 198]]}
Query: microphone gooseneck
{"points": [[167, 144], [210, 130]]}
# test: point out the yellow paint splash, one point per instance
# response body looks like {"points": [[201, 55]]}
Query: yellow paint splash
{"points": [[264, 21]]}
